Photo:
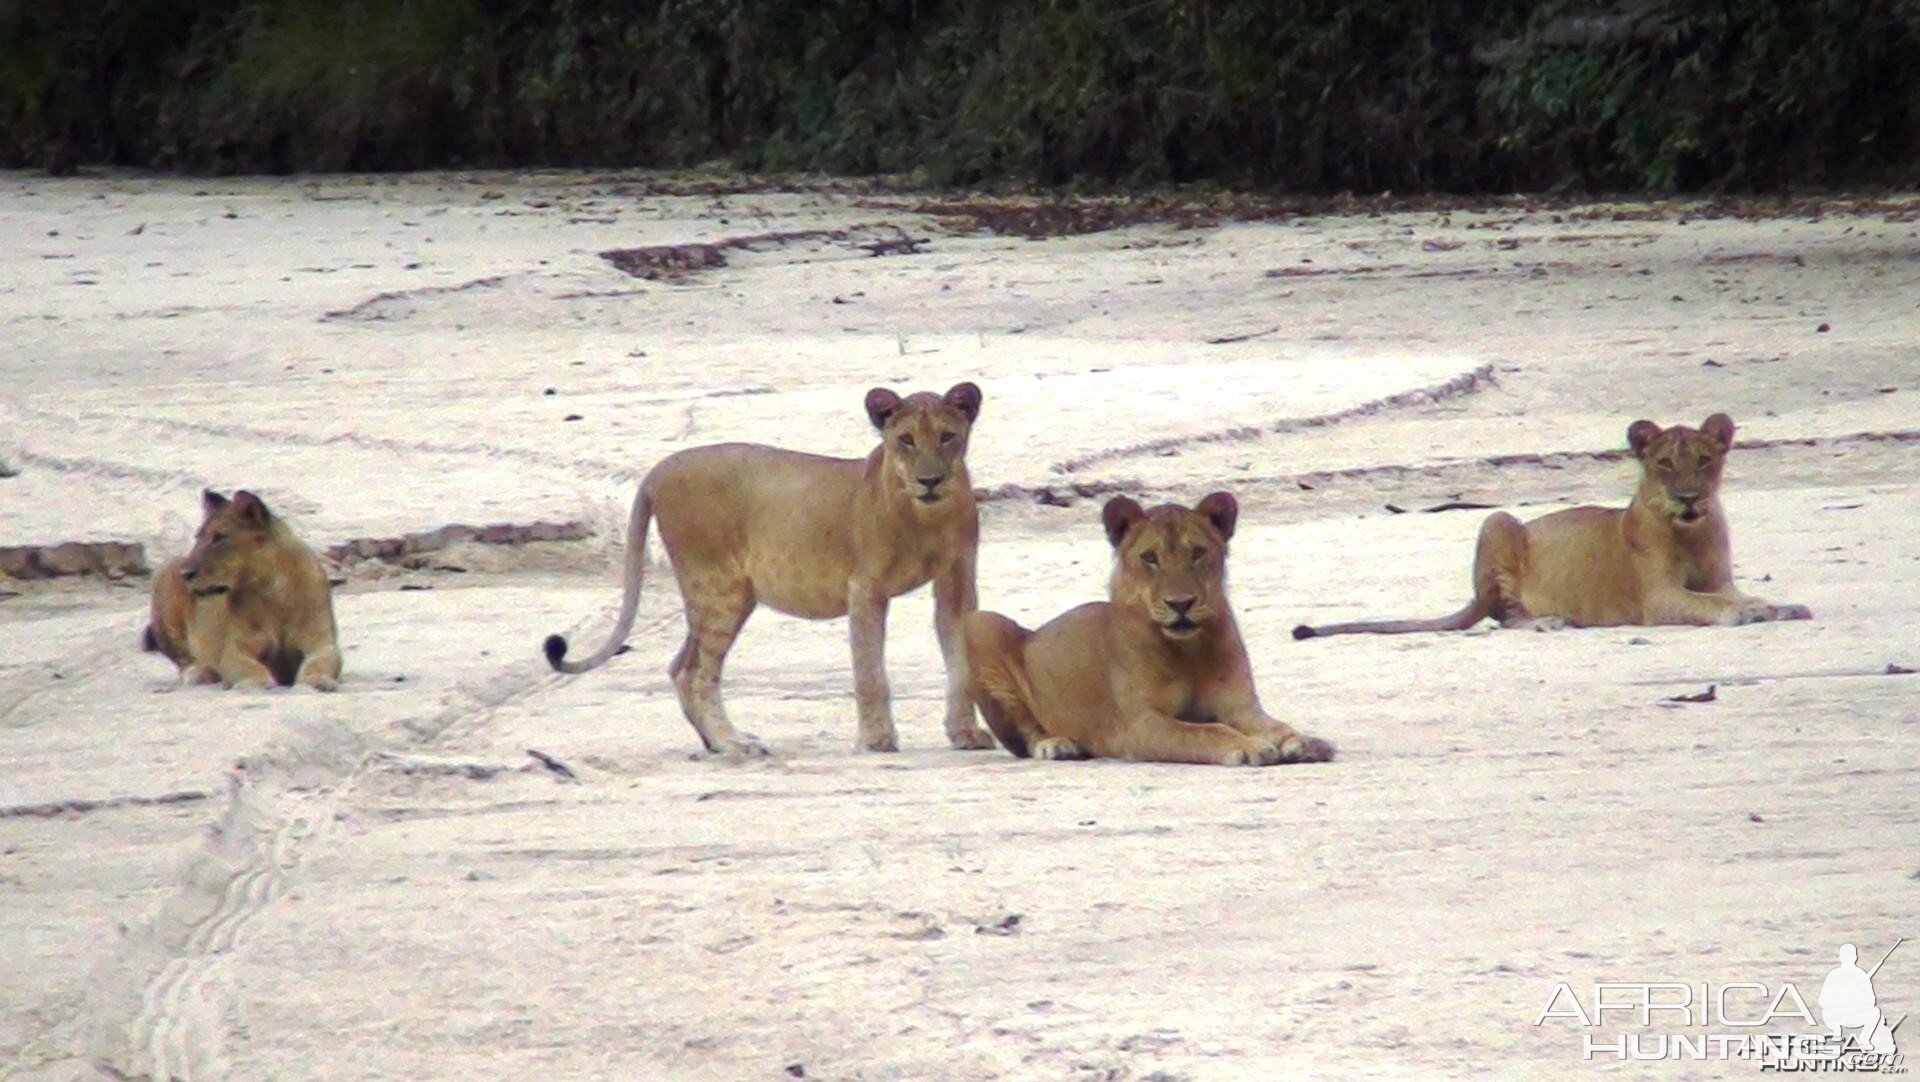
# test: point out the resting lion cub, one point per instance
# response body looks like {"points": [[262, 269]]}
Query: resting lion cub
{"points": [[249, 604], [1157, 674], [1664, 559], [746, 525]]}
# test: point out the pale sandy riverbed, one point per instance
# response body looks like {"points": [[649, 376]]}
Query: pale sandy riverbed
{"points": [[393, 891]]}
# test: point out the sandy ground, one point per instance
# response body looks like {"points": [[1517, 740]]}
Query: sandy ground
{"points": [[382, 883]]}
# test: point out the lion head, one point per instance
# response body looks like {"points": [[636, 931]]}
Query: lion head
{"points": [[923, 439], [1683, 464], [1170, 563], [230, 531]]}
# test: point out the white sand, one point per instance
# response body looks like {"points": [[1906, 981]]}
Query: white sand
{"points": [[392, 890]]}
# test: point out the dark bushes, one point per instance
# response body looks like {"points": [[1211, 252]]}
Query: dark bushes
{"points": [[1447, 95]]}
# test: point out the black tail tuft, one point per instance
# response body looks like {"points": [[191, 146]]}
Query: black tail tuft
{"points": [[1303, 632], [149, 641], [556, 648]]}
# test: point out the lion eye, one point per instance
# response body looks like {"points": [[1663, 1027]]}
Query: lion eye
{"points": [[906, 441], [946, 438], [1665, 464], [1199, 553], [1151, 559], [1705, 461], [218, 537]]}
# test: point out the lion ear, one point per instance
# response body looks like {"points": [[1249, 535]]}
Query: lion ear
{"points": [[210, 501], [1221, 509], [881, 404], [252, 511], [965, 397], [1118, 516], [1720, 427], [1639, 434]]}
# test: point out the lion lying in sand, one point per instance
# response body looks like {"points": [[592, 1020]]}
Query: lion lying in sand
{"points": [[249, 604], [1664, 559], [1158, 673]]}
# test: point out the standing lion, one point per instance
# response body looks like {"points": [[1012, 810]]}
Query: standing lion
{"points": [[746, 525]]}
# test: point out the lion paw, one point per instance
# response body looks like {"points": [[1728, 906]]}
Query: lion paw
{"points": [[1057, 747], [1792, 612], [322, 683], [886, 741], [1756, 610], [1301, 748], [972, 738], [1258, 751], [744, 746]]}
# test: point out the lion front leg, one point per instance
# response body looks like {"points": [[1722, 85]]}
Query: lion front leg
{"points": [[1295, 746], [867, 631], [320, 663], [320, 670], [1727, 608], [1152, 737], [240, 663], [953, 598], [1236, 705]]}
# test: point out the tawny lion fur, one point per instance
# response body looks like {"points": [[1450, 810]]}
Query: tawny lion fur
{"points": [[1666, 558], [746, 525], [250, 604], [1158, 673]]}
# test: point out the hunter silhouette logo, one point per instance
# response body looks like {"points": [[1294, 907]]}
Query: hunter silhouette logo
{"points": [[1847, 1001]]}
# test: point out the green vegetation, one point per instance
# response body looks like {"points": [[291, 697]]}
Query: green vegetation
{"points": [[1308, 95]]}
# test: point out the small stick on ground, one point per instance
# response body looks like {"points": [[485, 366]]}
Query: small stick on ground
{"points": [[1225, 339], [553, 764]]}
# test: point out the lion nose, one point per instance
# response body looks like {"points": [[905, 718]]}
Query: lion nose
{"points": [[1180, 605], [931, 483], [1687, 501]]}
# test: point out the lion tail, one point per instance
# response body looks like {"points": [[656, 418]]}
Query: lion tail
{"points": [[556, 645], [1475, 611]]}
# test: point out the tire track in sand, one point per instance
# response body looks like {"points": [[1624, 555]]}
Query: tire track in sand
{"points": [[251, 853], [1470, 382], [157, 1002]]}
